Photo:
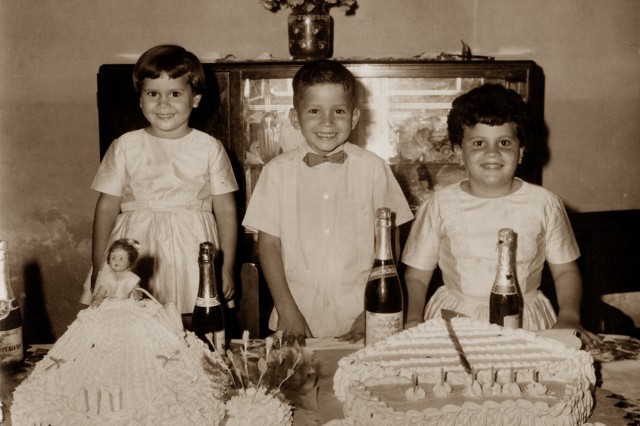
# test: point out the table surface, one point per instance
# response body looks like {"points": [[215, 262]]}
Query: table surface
{"points": [[610, 408]]}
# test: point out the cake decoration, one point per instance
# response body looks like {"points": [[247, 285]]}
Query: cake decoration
{"points": [[492, 387], [442, 389], [535, 388], [471, 386], [257, 406], [557, 380], [512, 387], [285, 372], [118, 364], [415, 392]]}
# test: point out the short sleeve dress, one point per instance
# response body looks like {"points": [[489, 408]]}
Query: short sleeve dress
{"points": [[458, 232], [166, 187]]}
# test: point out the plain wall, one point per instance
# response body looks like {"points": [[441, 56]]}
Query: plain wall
{"points": [[50, 51]]}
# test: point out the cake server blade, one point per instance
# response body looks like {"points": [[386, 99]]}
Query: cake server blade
{"points": [[458, 347], [448, 314]]}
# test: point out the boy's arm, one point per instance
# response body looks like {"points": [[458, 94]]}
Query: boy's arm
{"points": [[568, 286], [104, 219], [290, 320], [417, 281], [224, 211]]}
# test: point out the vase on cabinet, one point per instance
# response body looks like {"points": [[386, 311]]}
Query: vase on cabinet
{"points": [[310, 35]]}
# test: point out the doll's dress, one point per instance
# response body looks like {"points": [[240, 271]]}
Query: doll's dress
{"points": [[118, 364], [117, 287]]}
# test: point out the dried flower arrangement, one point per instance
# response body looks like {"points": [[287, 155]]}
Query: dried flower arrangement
{"points": [[311, 6], [268, 381]]}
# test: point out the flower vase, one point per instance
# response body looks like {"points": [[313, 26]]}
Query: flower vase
{"points": [[310, 35]]}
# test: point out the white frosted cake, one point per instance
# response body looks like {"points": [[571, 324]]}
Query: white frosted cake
{"points": [[120, 364], [417, 378]]}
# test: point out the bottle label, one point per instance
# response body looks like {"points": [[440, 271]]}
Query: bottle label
{"points": [[207, 302], [219, 341], [11, 346], [380, 326], [6, 308], [382, 272], [511, 321], [504, 289]]}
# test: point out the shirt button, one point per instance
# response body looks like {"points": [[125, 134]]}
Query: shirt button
{"points": [[325, 196], [326, 232]]}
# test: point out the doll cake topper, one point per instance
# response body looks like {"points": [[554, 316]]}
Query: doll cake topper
{"points": [[118, 281]]}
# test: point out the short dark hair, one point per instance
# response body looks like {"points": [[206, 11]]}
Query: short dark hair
{"points": [[175, 61], [127, 244], [323, 71], [492, 104]]}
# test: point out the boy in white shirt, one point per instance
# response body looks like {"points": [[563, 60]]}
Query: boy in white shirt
{"points": [[314, 209]]}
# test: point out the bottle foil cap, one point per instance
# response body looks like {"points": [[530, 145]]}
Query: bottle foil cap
{"points": [[207, 252]]}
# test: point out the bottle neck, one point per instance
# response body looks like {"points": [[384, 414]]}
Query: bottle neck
{"points": [[6, 291], [207, 287], [505, 281], [383, 240]]}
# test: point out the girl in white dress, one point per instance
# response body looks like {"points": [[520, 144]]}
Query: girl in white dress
{"points": [[168, 186], [457, 227]]}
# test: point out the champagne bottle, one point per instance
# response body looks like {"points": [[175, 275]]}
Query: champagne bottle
{"points": [[208, 317], [505, 302], [383, 298], [11, 345]]}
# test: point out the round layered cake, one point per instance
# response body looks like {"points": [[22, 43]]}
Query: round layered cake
{"points": [[419, 376], [122, 364]]}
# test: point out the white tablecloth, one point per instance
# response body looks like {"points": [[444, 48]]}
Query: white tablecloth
{"points": [[622, 377]]}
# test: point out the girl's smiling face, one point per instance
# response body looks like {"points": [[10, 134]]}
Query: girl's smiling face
{"points": [[167, 103], [325, 115], [491, 155]]}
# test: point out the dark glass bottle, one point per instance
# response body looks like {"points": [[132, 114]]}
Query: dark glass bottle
{"points": [[505, 302], [208, 316], [11, 344], [383, 298]]}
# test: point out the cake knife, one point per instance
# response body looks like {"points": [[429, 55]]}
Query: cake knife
{"points": [[446, 316]]}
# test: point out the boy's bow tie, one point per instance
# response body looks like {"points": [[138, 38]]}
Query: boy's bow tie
{"points": [[313, 159]]}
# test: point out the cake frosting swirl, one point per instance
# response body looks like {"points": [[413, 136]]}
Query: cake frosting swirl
{"points": [[518, 378]]}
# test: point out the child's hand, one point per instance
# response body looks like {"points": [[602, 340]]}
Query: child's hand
{"points": [[293, 325], [228, 284], [97, 300], [99, 296], [357, 330], [588, 339]]}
